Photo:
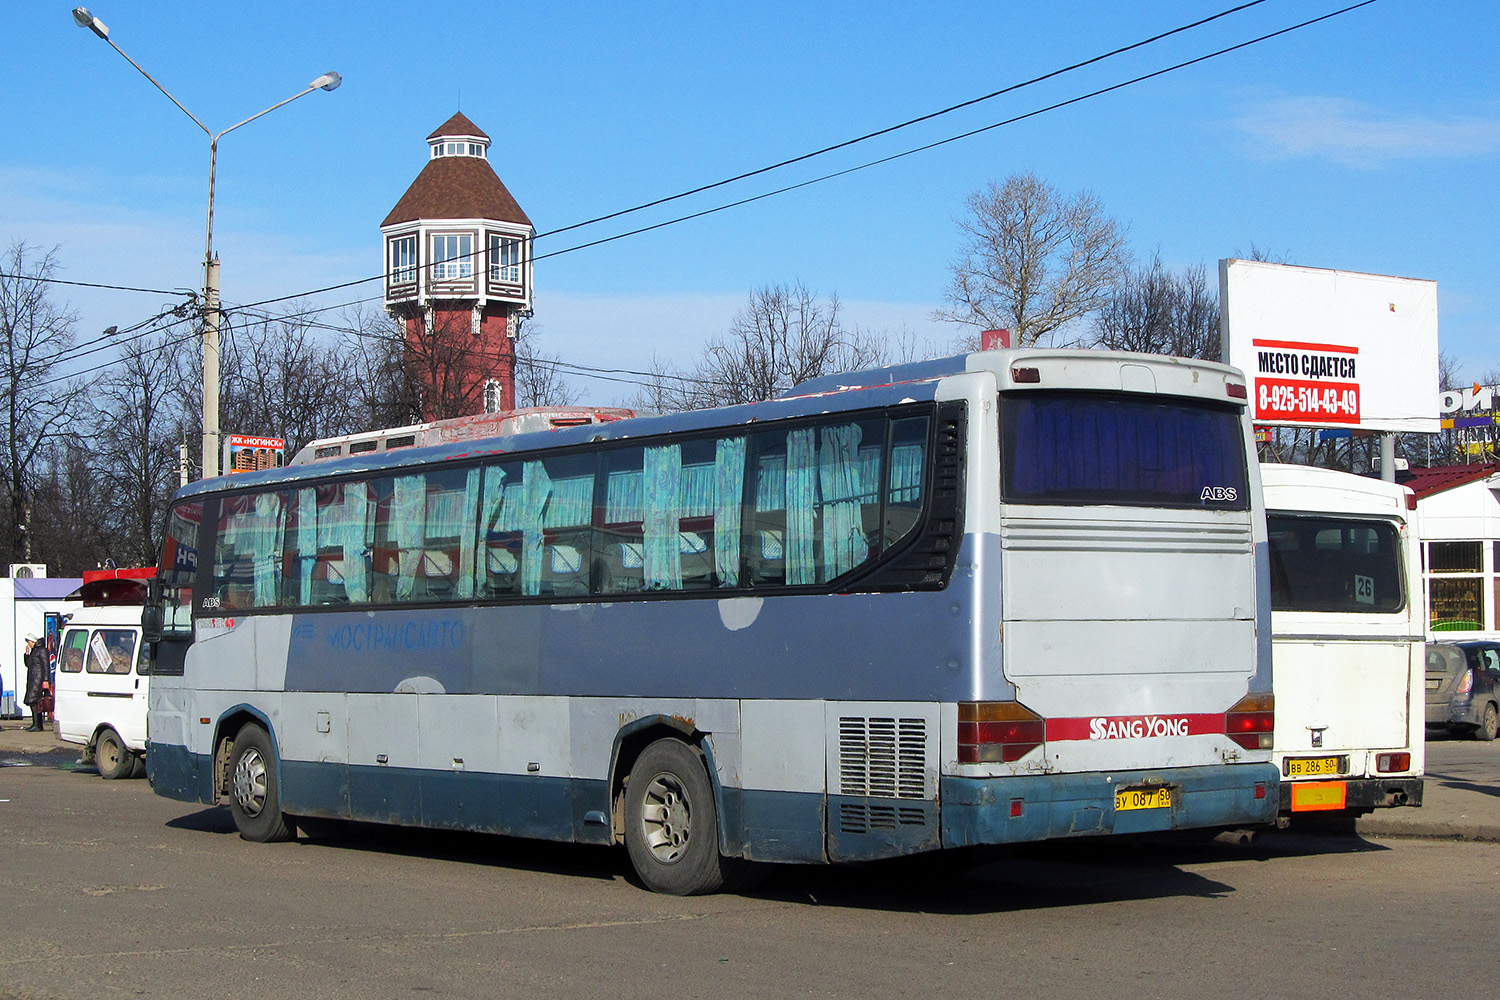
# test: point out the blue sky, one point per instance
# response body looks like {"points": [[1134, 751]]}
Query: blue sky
{"points": [[1369, 142]]}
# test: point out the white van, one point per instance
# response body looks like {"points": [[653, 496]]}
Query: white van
{"points": [[1348, 650], [101, 682]]}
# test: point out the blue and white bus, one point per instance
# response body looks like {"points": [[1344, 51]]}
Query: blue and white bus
{"points": [[1008, 596]]}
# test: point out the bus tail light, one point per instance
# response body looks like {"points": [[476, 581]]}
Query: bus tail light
{"points": [[1387, 762], [990, 731], [1250, 721]]}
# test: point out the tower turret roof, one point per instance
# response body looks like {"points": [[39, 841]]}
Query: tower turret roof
{"points": [[457, 187], [458, 125]]}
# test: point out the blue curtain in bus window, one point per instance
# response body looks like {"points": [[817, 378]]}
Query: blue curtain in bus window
{"points": [[729, 490], [267, 539], [622, 497], [502, 503], [407, 529], [664, 503], [458, 519], [844, 544], [801, 497], [352, 528], [304, 542], [906, 474], [536, 490]]}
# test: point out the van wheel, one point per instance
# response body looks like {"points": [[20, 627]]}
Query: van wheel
{"points": [[1489, 725], [254, 790], [671, 824], [111, 757]]}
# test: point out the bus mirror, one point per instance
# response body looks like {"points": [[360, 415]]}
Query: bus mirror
{"points": [[151, 622]]}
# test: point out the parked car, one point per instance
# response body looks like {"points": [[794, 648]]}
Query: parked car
{"points": [[1463, 687]]}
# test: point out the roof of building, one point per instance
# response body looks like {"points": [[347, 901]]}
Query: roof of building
{"points": [[1425, 482], [458, 125], [457, 187]]}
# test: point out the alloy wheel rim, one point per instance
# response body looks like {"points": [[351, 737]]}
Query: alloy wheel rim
{"points": [[666, 817]]}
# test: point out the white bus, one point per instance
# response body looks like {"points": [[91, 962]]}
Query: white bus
{"points": [[1008, 596], [102, 683], [1348, 644]]}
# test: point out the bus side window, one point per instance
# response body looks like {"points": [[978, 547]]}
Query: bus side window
{"points": [[557, 518], [498, 560], [620, 560], [903, 501], [248, 557], [178, 567], [424, 539]]}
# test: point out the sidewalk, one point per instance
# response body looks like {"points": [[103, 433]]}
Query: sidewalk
{"points": [[14, 739], [1455, 804]]}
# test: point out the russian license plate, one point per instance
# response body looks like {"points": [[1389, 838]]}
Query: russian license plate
{"points": [[1309, 766], [1142, 798]]}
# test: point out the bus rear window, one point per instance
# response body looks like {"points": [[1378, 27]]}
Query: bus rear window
{"points": [[1139, 451], [1334, 564]]}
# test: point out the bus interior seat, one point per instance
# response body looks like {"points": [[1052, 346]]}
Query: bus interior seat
{"points": [[563, 570]]}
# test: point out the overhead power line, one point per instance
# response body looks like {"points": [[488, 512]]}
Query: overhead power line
{"points": [[895, 156], [92, 284]]}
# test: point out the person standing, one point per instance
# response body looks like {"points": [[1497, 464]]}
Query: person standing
{"points": [[36, 681]]}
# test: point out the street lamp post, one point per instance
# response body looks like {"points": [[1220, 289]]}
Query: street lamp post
{"points": [[328, 81]]}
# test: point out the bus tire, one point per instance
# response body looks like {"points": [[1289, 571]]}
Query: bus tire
{"points": [[671, 823], [1489, 723], [111, 757], [254, 792]]}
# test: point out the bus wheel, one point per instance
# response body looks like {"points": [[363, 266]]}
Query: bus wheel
{"points": [[254, 798], [1489, 725], [111, 757], [671, 825]]}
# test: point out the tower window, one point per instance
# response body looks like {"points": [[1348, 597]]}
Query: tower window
{"points": [[444, 148], [403, 260], [505, 259], [452, 257]]}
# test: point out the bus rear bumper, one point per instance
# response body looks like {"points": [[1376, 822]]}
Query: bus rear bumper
{"points": [[1358, 795], [1018, 809]]}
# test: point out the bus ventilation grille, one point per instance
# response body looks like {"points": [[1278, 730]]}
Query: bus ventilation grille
{"points": [[883, 758]]}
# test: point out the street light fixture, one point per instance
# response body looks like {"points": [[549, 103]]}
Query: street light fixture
{"points": [[328, 81]]}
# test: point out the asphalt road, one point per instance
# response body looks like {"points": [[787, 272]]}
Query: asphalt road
{"points": [[108, 891]]}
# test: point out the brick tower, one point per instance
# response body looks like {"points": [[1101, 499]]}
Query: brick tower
{"points": [[458, 273]]}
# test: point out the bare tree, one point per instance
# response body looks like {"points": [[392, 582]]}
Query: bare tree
{"points": [[382, 388], [1032, 261], [35, 333], [538, 379], [285, 381], [75, 513], [1154, 311], [783, 336], [138, 428]]}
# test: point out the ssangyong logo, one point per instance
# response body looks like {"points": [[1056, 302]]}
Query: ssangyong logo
{"points": [[1219, 493], [1138, 728]]}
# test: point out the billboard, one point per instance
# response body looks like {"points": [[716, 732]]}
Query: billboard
{"points": [[248, 453], [1325, 348]]}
